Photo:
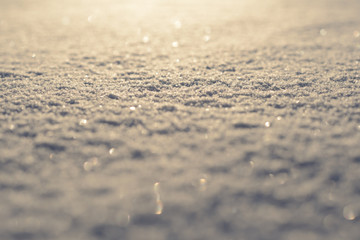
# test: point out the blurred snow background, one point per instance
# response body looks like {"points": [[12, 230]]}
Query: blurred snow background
{"points": [[179, 119]]}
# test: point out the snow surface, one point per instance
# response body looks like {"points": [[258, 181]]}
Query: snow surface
{"points": [[180, 119]]}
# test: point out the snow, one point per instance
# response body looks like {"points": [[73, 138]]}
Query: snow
{"points": [[179, 119]]}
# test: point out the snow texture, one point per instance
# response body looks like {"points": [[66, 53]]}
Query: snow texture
{"points": [[180, 119]]}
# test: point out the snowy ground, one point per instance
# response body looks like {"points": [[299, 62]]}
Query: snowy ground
{"points": [[180, 119]]}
